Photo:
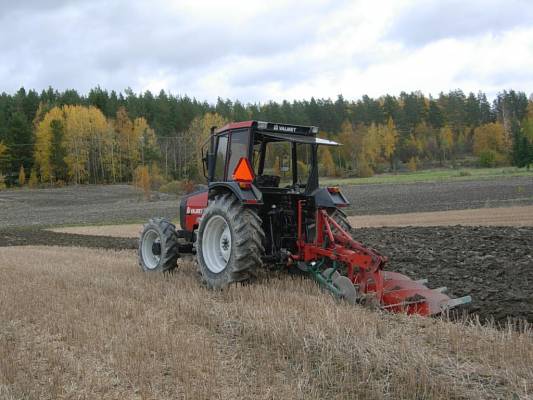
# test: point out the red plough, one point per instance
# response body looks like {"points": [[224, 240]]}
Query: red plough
{"points": [[363, 266]]}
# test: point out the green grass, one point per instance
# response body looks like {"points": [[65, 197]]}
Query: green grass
{"points": [[433, 175]]}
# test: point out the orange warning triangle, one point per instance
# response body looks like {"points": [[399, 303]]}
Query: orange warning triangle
{"points": [[243, 171]]}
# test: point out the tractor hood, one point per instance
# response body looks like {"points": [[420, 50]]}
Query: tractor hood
{"points": [[284, 137]]}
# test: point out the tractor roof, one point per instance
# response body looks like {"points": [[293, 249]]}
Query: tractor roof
{"points": [[271, 127], [275, 132]]}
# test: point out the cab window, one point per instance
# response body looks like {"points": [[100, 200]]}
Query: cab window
{"points": [[239, 148], [220, 161]]}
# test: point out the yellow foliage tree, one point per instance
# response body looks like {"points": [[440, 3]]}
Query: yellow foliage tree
{"points": [[3, 149], [82, 142], [199, 132], [156, 178], [141, 180], [43, 142], [490, 137], [34, 179], [412, 164], [364, 170], [491, 144], [328, 166], [143, 134], [445, 140], [22, 176], [362, 146], [125, 144], [389, 138], [85, 133], [372, 144], [350, 143]]}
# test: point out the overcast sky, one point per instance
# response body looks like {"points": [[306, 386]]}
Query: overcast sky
{"points": [[263, 50]]}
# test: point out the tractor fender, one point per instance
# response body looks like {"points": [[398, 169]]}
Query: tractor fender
{"points": [[325, 199], [251, 196], [192, 207]]}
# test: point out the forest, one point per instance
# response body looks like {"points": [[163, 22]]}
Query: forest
{"points": [[55, 138]]}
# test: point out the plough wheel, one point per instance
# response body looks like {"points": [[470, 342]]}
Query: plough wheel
{"points": [[330, 273], [346, 288]]}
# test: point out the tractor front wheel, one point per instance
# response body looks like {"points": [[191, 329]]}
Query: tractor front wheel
{"points": [[158, 246], [230, 242]]}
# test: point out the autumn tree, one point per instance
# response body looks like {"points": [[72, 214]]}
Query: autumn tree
{"points": [[389, 139], [43, 142], [198, 137], [22, 176], [370, 149], [326, 161], [445, 142], [34, 179], [350, 143], [147, 139], [58, 152], [490, 143], [141, 180], [79, 144], [3, 158], [123, 152]]}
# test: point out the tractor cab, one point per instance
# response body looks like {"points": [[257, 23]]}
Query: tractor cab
{"points": [[285, 157], [281, 158]]}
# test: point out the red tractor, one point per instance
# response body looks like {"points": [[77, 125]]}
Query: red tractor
{"points": [[263, 206]]}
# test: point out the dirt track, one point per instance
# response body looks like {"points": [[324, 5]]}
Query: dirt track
{"points": [[503, 216]]}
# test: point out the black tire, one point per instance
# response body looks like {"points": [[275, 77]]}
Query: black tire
{"points": [[219, 266], [341, 218], [158, 246]]}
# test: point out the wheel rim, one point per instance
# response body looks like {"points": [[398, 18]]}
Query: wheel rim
{"points": [[150, 241], [216, 244]]}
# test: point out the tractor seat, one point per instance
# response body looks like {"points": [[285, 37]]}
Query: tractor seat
{"points": [[267, 181]]}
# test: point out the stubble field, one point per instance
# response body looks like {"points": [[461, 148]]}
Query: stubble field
{"points": [[79, 323]]}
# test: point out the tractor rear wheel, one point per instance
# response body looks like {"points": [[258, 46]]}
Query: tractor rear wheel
{"points": [[230, 242], [340, 218], [158, 246]]}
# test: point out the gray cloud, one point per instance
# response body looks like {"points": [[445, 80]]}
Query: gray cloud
{"points": [[426, 21], [80, 44], [250, 50]]}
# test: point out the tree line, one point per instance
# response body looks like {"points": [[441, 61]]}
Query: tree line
{"points": [[103, 136]]}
